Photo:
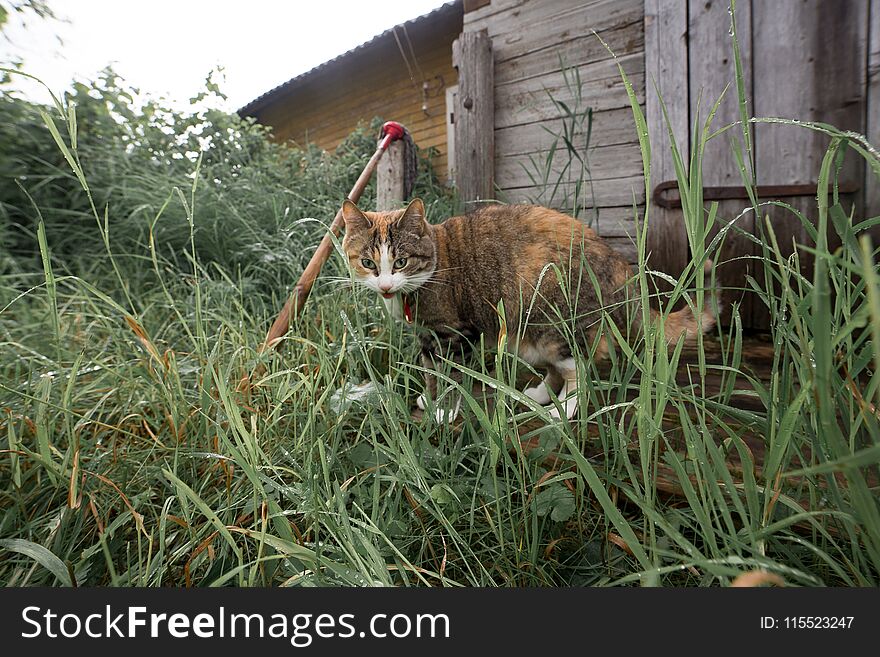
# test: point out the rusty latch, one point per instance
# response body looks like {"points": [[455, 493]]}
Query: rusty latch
{"points": [[726, 193]]}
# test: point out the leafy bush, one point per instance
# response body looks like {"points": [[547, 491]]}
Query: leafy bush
{"points": [[150, 168]]}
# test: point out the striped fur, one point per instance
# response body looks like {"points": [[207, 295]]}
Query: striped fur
{"points": [[530, 259]]}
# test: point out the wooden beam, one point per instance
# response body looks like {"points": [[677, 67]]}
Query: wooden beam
{"points": [[474, 117], [666, 80], [389, 178], [711, 73]]}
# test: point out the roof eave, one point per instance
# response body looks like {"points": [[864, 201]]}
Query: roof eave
{"points": [[262, 101]]}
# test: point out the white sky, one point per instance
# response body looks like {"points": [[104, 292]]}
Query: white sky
{"points": [[168, 47]]}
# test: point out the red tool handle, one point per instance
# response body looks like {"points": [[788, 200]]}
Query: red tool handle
{"points": [[391, 131]]}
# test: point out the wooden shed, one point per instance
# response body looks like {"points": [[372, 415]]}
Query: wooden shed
{"points": [[401, 74], [813, 60], [494, 85]]}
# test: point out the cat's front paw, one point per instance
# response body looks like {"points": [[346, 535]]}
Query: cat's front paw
{"points": [[447, 415], [441, 415]]}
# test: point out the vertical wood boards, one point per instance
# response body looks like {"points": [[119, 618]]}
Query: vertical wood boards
{"points": [[872, 113], [666, 79], [474, 117], [711, 73], [812, 60], [389, 177], [532, 41], [825, 81], [805, 59]]}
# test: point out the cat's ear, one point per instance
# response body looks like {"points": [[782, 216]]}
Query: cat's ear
{"points": [[413, 218], [354, 218]]}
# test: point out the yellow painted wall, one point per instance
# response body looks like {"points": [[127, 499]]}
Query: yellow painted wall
{"points": [[329, 104]]}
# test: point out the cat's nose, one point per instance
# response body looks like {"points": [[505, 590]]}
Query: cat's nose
{"points": [[385, 287]]}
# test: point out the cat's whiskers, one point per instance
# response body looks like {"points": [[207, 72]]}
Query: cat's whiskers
{"points": [[339, 281], [416, 281]]}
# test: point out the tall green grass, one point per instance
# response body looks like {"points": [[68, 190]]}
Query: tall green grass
{"points": [[135, 458]]}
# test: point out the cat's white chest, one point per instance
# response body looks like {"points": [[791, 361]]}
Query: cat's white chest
{"points": [[394, 306]]}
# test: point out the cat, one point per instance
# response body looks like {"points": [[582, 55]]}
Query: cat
{"points": [[452, 278]]}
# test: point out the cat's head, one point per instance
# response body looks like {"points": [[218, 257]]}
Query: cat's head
{"points": [[389, 252]]}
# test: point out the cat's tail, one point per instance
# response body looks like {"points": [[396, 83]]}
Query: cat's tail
{"points": [[686, 322]]}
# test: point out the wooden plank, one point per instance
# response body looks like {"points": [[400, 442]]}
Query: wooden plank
{"points": [[584, 48], [474, 117], [872, 113], [607, 162], [415, 120], [823, 87], [527, 69], [347, 91], [711, 70], [378, 73], [477, 20], [325, 110], [424, 138], [558, 30], [610, 128], [607, 193], [399, 102], [424, 132], [614, 221], [389, 178], [608, 222], [399, 97], [546, 19], [602, 88], [329, 132], [666, 68], [427, 132], [625, 247]]}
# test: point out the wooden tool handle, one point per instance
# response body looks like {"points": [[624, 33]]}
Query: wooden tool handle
{"points": [[391, 131]]}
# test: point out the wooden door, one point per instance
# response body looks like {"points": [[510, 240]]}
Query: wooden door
{"points": [[801, 59]]}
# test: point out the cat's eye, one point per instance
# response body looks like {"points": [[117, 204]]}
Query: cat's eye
{"points": [[400, 263], [369, 264]]}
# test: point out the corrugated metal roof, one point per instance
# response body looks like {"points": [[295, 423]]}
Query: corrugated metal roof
{"points": [[263, 100]]}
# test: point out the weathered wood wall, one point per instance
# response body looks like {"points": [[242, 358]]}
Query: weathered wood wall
{"points": [[474, 112], [529, 39], [666, 65], [872, 112], [327, 105], [802, 59], [809, 60]]}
